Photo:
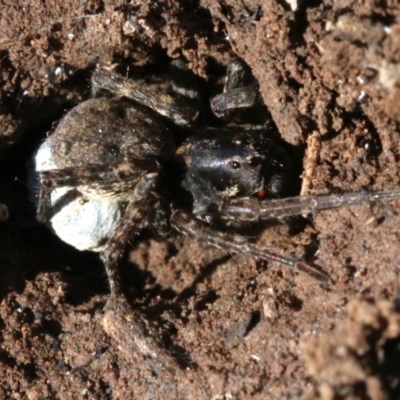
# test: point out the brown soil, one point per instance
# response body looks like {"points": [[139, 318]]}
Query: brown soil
{"points": [[223, 327]]}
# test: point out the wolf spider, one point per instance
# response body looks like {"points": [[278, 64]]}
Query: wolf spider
{"points": [[120, 159]]}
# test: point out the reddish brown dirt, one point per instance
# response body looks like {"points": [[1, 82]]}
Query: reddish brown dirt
{"points": [[223, 327]]}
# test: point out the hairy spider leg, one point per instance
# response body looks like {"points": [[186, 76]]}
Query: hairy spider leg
{"points": [[191, 226], [252, 209], [135, 218], [99, 176], [235, 75], [118, 313], [175, 108], [236, 94]]}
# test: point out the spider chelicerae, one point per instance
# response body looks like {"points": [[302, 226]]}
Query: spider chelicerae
{"points": [[114, 166]]}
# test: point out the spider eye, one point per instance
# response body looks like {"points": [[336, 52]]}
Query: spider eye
{"points": [[235, 165]]}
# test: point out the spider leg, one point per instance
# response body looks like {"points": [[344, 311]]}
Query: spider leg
{"points": [[125, 324], [252, 209], [184, 82], [115, 178], [175, 108], [236, 98], [44, 209], [96, 174], [47, 208], [191, 226], [235, 75], [236, 94], [135, 219]]}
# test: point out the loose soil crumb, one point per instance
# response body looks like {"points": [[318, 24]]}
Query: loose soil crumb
{"points": [[222, 326]]}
